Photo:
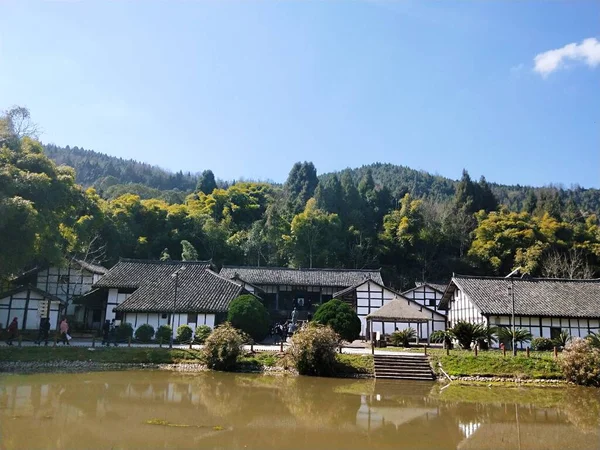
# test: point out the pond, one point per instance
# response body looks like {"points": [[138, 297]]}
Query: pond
{"points": [[154, 409]]}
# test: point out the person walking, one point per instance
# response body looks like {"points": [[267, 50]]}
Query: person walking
{"points": [[113, 332], [13, 330], [64, 332], [43, 331], [105, 333]]}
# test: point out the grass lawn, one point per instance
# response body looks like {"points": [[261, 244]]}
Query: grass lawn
{"points": [[493, 364], [349, 364]]}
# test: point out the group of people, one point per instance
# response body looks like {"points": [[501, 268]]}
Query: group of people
{"points": [[109, 332]]}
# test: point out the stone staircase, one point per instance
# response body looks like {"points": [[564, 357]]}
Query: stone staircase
{"points": [[403, 367]]}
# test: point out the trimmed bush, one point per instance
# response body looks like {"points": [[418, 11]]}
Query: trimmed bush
{"points": [[144, 333], [222, 347], [248, 314], [124, 332], [164, 333], [402, 338], [580, 363], [184, 334], [542, 344], [202, 333], [313, 350], [340, 317]]}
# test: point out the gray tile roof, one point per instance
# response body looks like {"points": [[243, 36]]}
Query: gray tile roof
{"points": [[198, 290], [341, 278], [533, 296], [133, 273], [401, 310], [440, 287]]}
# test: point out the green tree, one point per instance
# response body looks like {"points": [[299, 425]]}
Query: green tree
{"points": [[312, 237], [189, 253], [248, 314], [300, 185], [206, 182], [341, 317], [164, 256]]}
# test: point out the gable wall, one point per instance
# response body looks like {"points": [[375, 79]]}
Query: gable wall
{"points": [[24, 306], [426, 296], [370, 297]]}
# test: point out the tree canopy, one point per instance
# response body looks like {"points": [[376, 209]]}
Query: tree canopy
{"points": [[414, 225]]}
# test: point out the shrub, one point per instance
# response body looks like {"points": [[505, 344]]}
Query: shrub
{"points": [[340, 317], [144, 333], [124, 331], [466, 333], [542, 344], [594, 339], [248, 314], [223, 347], [403, 337], [184, 334], [313, 350], [562, 339], [444, 336], [202, 332], [164, 333], [521, 336], [580, 363]]}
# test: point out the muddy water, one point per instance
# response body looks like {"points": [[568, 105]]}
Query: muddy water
{"points": [[221, 411]]}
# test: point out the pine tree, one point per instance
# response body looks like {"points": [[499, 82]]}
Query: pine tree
{"points": [[206, 182]]}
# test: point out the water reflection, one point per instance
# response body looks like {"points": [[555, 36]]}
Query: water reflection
{"points": [[216, 410]]}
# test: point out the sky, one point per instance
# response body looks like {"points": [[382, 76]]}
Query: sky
{"points": [[505, 89]]}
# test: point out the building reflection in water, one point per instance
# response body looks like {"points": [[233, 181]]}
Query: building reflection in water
{"points": [[225, 410]]}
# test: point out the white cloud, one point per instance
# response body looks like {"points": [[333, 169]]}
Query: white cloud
{"points": [[588, 52]]}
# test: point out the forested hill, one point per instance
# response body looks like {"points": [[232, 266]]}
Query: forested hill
{"points": [[113, 176], [400, 180], [101, 170]]}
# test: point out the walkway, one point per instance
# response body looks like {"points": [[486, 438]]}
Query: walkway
{"points": [[87, 343]]}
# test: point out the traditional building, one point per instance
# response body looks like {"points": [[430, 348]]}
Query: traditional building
{"points": [[284, 289], [368, 297], [542, 306], [48, 292], [165, 293], [427, 294]]}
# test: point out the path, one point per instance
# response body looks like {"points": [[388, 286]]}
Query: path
{"points": [[354, 348]]}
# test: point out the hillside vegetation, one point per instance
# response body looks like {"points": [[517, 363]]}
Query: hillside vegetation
{"points": [[414, 225]]}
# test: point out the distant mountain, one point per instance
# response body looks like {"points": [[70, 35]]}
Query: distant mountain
{"points": [[114, 176], [101, 170], [401, 180]]}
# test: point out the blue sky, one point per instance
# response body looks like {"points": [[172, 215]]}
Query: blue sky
{"points": [[247, 88]]}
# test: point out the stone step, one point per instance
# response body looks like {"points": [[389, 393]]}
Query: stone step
{"points": [[404, 363], [400, 357], [403, 370], [400, 377]]}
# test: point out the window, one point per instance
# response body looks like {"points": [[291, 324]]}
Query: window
{"points": [[192, 318], [432, 302], [63, 279], [164, 315], [554, 332], [119, 315]]}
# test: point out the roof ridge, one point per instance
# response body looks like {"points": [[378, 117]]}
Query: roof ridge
{"points": [[223, 278], [300, 269], [169, 262], [487, 277]]}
